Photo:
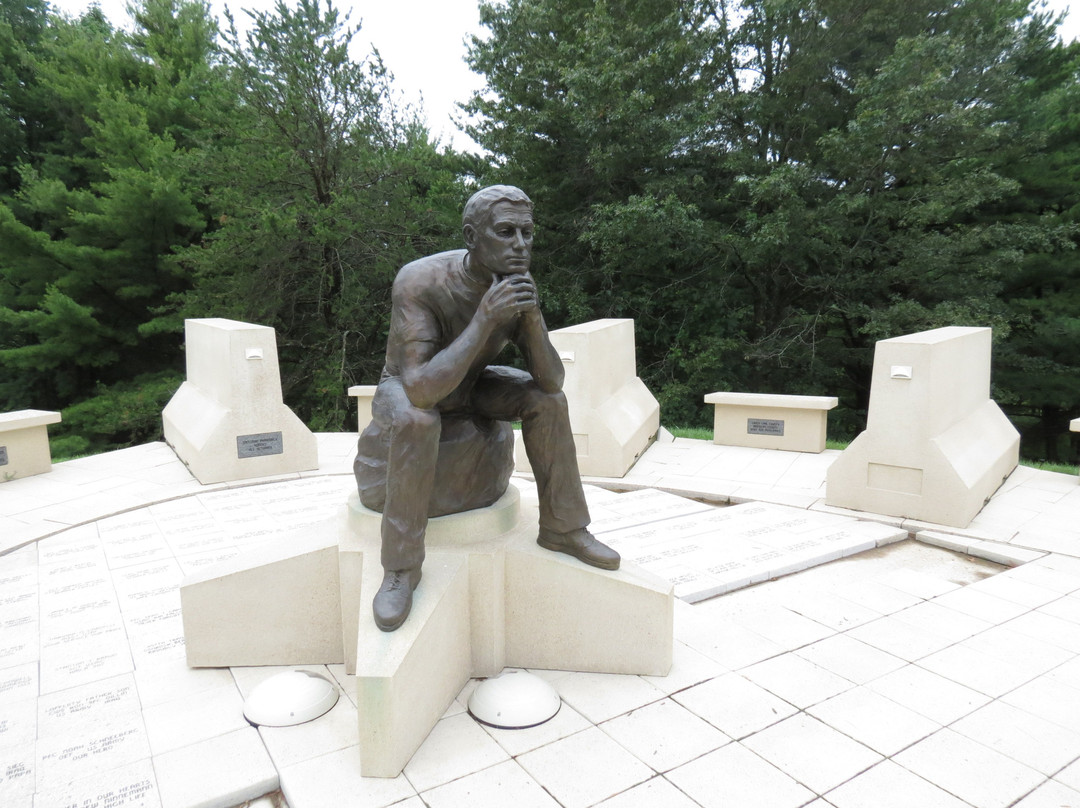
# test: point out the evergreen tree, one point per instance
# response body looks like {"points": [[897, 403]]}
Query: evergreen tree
{"points": [[322, 186]]}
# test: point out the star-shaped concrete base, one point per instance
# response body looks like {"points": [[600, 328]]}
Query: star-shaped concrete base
{"points": [[490, 598]]}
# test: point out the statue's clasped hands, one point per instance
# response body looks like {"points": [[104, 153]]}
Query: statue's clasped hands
{"points": [[508, 297]]}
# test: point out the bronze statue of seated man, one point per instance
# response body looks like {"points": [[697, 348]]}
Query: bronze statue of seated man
{"points": [[440, 439]]}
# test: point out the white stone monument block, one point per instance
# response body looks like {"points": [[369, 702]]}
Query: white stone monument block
{"points": [[24, 443], [936, 447], [613, 415], [228, 421], [364, 395], [765, 421]]}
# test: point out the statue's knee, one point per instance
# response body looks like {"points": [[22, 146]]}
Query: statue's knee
{"points": [[413, 422], [548, 404]]}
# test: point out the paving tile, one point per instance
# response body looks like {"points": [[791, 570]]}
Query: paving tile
{"points": [[982, 605], [82, 661], [972, 668], [830, 610], [1067, 674], [18, 775], [919, 584], [1048, 577], [457, 746], [1053, 630], [929, 694], [888, 785], [735, 705], [1017, 591], [664, 735], [566, 722], [88, 750], [851, 658], [1027, 653], [334, 779], [796, 680], [1033, 741], [731, 645], [813, 753], [1070, 775], [1067, 608], [899, 638], [784, 627], [688, 668], [158, 684], [18, 682], [108, 702], [875, 595], [600, 696], [182, 722], [650, 794], [1049, 699], [232, 768], [878, 722], [1050, 795], [584, 769], [18, 723], [735, 776], [494, 787], [969, 770], [130, 786], [949, 623], [337, 729]]}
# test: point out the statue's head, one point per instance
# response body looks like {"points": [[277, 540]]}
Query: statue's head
{"points": [[498, 229], [479, 206]]}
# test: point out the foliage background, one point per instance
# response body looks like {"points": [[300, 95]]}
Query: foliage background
{"points": [[767, 188]]}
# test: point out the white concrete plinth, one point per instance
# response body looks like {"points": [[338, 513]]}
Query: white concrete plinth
{"points": [[24, 443], [506, 601], [935, 446], [364, 394], [764, 421], [277, 605], [227, 421], [613, 415], [489, 598]]}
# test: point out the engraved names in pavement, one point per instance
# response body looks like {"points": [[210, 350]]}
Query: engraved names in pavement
{"points": [[706, 551]]}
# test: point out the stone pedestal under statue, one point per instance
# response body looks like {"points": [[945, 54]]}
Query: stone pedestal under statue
{"points": [[490, 598]]}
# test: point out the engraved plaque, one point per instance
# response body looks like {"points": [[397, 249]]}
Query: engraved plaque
{"points": [[263, 443], [764, 426], [3, 456]]}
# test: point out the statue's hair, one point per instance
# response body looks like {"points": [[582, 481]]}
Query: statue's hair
{"points": [[480, 203]]}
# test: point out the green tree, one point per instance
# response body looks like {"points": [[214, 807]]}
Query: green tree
{"points": [[102, 199], [322, 186]]}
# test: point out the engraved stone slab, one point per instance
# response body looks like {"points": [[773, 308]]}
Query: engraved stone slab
{"points": [[260, 444], [706, 551], [130, 786], [765, 426]]}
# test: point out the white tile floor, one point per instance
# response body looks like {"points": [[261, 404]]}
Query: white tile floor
{"points": [[903, 676]]}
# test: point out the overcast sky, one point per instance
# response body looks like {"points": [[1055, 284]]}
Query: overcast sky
{"points": [[422, 42]]}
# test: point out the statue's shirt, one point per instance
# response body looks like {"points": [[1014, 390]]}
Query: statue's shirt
{"points": [[434, 300]]}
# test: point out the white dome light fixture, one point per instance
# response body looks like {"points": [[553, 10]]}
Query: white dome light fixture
{"points": [[514, 700], [290, 698]]}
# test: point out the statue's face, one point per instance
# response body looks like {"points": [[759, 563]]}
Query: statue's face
{"points": [[503, 243]]}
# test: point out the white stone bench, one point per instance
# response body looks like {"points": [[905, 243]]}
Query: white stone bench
{"points": [[24, 443], [363, 393], [765, 421]]}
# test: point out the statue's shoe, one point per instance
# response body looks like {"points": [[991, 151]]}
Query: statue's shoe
{"points": [[394, 599], [582, 545]]}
